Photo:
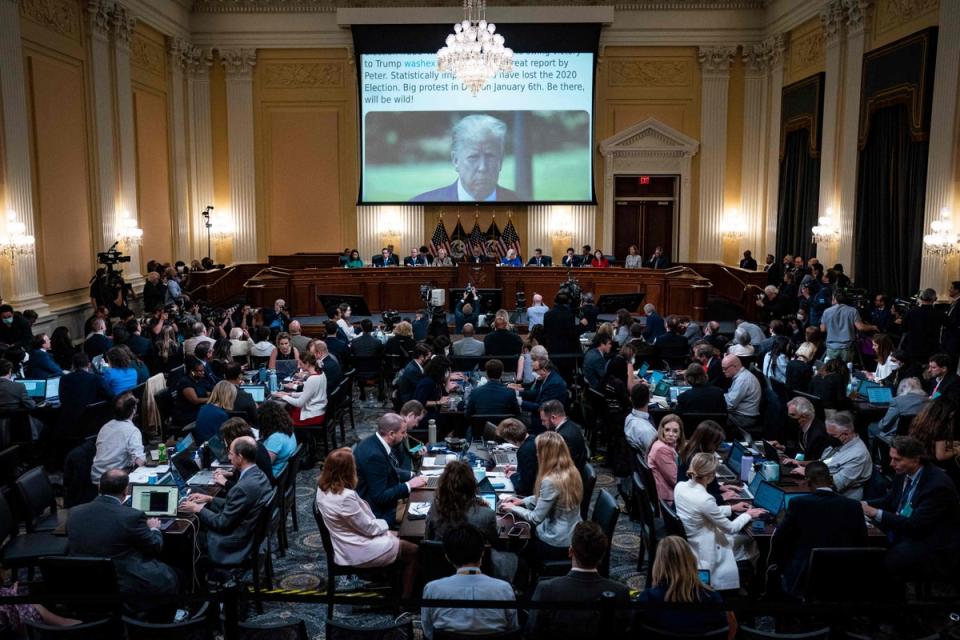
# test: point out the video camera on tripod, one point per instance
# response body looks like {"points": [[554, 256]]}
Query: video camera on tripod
{"points": [[109, 288]]}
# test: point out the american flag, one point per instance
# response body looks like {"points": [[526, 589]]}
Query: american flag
{"points": [[494, 246], [510, 239], [476, 236], [440, 238]]}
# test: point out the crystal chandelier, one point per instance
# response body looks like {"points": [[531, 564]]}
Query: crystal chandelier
{"points": [[128, 233], [825, 231], [474, 52], [14, 240], [943, 242]]}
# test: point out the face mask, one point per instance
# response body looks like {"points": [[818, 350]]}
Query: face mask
{"points": [[8, 320], [835, 442]]}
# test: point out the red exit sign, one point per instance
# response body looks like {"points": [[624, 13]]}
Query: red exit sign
{"points": [[644, 180]]}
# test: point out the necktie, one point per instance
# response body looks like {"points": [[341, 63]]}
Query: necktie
{"points": [[907, 484]]}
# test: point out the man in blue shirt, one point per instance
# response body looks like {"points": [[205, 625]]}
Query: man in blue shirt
{"points": [[536, 312], [464, 546], [595, 360]]}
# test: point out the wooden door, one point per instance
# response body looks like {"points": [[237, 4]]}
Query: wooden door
{"points": [[626, 231], [657, 228]]}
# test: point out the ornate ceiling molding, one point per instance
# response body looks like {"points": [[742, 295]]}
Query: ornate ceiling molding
{"points": [[716, 60], [314, 6], [238, 61]]}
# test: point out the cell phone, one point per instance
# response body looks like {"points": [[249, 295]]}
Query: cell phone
{"points": [[416, 449]]}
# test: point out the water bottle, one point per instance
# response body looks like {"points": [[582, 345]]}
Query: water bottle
{"points": [[746, 469], [466, 393], [274, 386], [162, 453], [263, 374], [432, 431]]}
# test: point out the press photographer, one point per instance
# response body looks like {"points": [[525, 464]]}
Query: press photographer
{"points": [[107, 288]]}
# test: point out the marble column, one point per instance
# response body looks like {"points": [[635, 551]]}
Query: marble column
{"points": [[98, 12], [845, 211], [179, 52], [123, 24], [21, 288], [753, 161], [200, 145], [831, 17], [239, 65], [941, 161], [715, 67], [776, 47]]}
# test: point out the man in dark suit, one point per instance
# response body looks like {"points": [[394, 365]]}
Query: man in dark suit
{"points": [[657, 260], [595, 360], [655, 326], [570, 259], [378, 469], [821, 519], [14, 329], [412, 373], [13, 395], [540, 260], [560, 333], [137, 343], [338, 346], [549, 385], [229, 523], [330, 364], [921, 327], [921, 515], [78, 389], [476, 150], [494, 397], [812, 437], [748, 261], [706, 355], [942, 381], [386, 259], [774, 271], [416, 259], [702, 397], [107, 528], [554, 418], [366, 344], [524, 474], [97, 343], [474, 254], [501, 341], [672, 344], [583, 584]]}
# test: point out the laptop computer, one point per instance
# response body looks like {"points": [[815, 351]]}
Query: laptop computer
{"points": [[656, 377], [503, 458], [865, 385], [53, 391], [257, 391], [642, 371], [734, 459], [770, 452], [787, 497], [748, 492], [157, 501], [190, 471], [880, 395], [769, 498], [218, 449], [662, 389], [675, 393], [286, 368], [36, 389]]}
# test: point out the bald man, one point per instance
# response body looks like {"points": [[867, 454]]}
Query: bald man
{"points": [[378, 469], [536, 312], [743, 398], [329, 363], [300, 341]]}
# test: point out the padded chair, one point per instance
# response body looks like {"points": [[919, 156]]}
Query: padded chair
{"points": [[440, 634], [432, 562], [671, 521], [25, 550], [290, 491], [651, 633], [96, 630], [369, 373], [295, 630], [646, 478], [257, 556], [197, 627], [396, 631], [40, 505], [606, 513], [81, 575], [9, 463], [692, 418], [842, 574], [15, 428], [334, 569], [278, 528], [643, 507], [755, 634], [589, 482]]}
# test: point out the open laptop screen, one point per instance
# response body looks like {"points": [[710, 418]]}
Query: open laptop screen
{"points": [[155, 500], [35, 388], [768, 497], [53, 388], [256, 391]]}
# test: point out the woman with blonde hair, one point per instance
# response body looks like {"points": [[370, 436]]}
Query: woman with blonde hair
{"points": [[554, 507], [663, 457], [676, 579], [359, 538], [401, 343], [714, 538], [214, 412]]}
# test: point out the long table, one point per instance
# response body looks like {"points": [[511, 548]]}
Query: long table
{"points": [[678, 290]]}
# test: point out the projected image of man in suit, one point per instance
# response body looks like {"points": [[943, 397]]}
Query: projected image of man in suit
{"points": [[476, 150]]}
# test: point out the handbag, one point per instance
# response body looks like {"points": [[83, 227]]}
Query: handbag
{"points": [[510, 526]]}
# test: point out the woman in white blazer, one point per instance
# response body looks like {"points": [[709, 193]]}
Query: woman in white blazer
{"points": [[359, 538], [716, 540], [309, 405]]}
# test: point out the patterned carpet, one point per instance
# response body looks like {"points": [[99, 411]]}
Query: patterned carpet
{"points": [[304, 566]]}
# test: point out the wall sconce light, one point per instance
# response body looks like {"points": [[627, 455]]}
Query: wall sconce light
{"points": [[943, 242], [561, 223], [733, 226], [128, 233], [14, 240], [826, 230], [221, 226]]}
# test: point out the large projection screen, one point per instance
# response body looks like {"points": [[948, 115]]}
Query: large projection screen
{"points": [[527, 137]]}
